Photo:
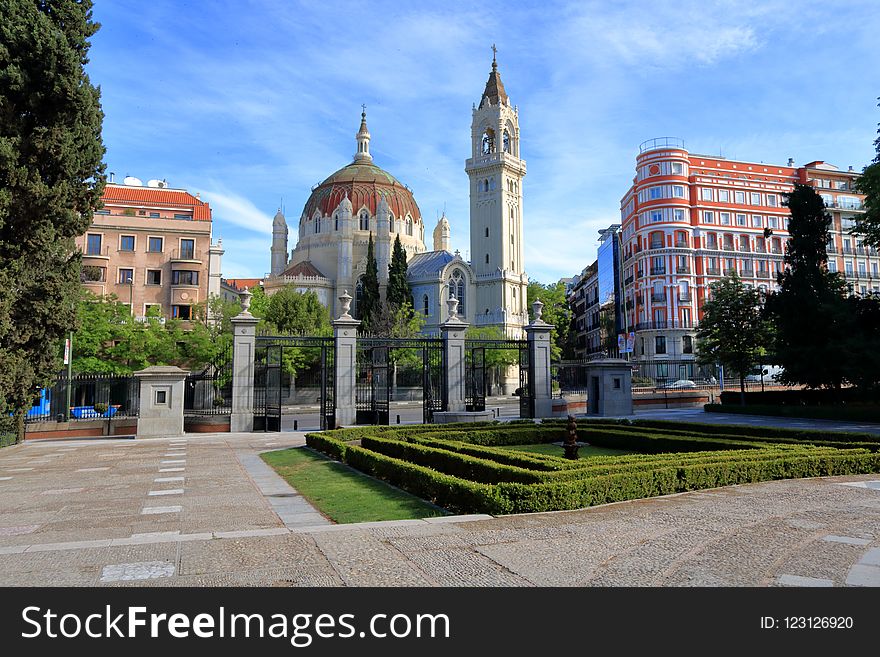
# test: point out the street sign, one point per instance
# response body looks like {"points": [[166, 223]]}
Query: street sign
{"points": [[67, 351]]}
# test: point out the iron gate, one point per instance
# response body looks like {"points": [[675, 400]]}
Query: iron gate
{"points": [[279, 358], [481, 356], [209, 392], [386, 367]]}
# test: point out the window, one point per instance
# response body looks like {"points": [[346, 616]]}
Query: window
{"points": [[656, 216], [154, 244], [457, 289], [409, 226], [154, 215], [686, 318], [725, 218], [706, 194], [425, 305], [756, 221], [678, 215], [849, 268], [317, 224], [183, 216], [187, 249], [184, 277], [677, 168], [154, 277], [93, 244], [126, 243], [708, 217], [723, 196], [863, 270], [161, 398], [771, 200], [678, 191], [755, 198], [487, 258], [687, 344], [656, 192], [771, 222], [126, 276], [364, 220], [92, 274], [181, 312], [358, 297], [739, 197], [660, 344], [740, 220], [335, 222]]}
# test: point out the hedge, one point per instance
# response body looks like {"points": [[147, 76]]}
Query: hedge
{"points": [[854, 413], [802, 397]]}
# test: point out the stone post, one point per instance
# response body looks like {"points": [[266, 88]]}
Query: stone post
{"points": [[244, 329], [345, 332], [161, 401], [538, 336], [453, 332]]}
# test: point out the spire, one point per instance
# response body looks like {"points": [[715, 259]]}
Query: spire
{"points": [[494, 92], [363, 140]]}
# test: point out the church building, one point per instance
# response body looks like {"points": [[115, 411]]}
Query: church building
{"points": [[362, 199]]}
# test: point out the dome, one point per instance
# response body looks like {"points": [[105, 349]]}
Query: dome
{"points": [[365, 184]]}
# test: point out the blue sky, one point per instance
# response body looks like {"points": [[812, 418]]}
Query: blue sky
{"points": [[252, 102]]}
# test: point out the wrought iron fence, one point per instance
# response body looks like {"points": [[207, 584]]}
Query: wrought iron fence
{"points": [[209, 392], [92, 396]]}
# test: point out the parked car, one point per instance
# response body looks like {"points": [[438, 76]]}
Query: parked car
{"points": [[681, 384]]}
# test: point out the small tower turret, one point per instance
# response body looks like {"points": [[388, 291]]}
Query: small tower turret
{"points": [[442, 234], [279, 244], [363, 140]]}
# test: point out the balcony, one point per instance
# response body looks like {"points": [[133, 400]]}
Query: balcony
{"points": [[682, 244], [186, 255], [763, 273], [654, 326], [102, 252], [831, 249], [713, 271], [747, 273], [847, 250], [682, 269], [627, 280], [712, 246], [656, 245], [729, 272], [846, 205], [776, 250], [744, 248], [760, 249], [727, 247], [684, 296], [658, 271], [660, 143], [658, 297]]}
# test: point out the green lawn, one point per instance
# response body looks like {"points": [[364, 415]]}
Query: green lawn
{"points": [[556, 450], [342, 494]]}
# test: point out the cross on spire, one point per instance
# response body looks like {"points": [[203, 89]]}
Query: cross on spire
{"points": [[364, 108], [494, 52]]}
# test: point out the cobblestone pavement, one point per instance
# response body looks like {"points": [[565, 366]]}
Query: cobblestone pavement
{"points": [[202, 511]]}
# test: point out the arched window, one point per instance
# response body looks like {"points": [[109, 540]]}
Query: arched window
{"points": [[358, 297], [317, 224], [409, 226], [364, 220], [390, 223], [506, 141], [425, 304], [488, 142], [457, 288], [336, 222], [487, 231]]}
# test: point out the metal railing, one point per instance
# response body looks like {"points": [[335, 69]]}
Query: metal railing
{"points": [[658, 271], [92, 396]]}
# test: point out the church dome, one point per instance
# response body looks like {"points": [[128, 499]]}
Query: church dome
{"points": [[365, 184]]}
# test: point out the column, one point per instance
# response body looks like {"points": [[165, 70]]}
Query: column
{"points": [[453, 332], [345, 333], [244, 329], [161, 401], [538, 336]]}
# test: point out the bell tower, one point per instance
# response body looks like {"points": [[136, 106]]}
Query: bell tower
{"points": [[496, 172]]}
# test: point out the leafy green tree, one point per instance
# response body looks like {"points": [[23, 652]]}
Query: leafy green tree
{"points": [[555, 312], [369, 304], [732, 331], [869, 185], [259, 302], [810, 314], [290, 311], [51, 178], [399, 293]]}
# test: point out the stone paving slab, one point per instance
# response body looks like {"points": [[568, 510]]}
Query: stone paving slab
{"points": [[240, 524]]}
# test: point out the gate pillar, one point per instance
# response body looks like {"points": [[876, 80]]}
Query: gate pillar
{"points": [[345, 333], [538, 334], [453, 332], [244, 329]]}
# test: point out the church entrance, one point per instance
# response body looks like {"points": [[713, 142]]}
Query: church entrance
{"points": [[294, 383], [489, 366], [398, 380]]}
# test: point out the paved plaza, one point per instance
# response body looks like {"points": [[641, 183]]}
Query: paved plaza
{"points": [[205, 510]]}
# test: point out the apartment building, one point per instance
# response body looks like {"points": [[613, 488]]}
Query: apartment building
{"points": [[150, 246], [689, 220]]}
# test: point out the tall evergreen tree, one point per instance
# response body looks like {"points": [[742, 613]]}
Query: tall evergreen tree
{"points": [[369, 304], [399, 292], [51, 178], [869, 185], [810, 315]]}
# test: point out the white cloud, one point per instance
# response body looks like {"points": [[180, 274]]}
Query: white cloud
{"points": [[230, 209]]}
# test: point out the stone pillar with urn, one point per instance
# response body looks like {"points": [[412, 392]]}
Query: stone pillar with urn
{"points": [[244, 329], [345, 332]]}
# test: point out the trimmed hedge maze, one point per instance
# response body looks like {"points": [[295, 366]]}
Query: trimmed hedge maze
{"points": [[463, 469]]}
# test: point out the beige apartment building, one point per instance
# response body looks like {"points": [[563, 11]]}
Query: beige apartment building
{"points": [[150, 246]]}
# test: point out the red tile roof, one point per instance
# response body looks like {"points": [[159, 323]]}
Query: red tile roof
{"points": [[241, 283], [146, 196], [304, 268]]}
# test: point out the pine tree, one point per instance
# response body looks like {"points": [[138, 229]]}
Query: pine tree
{"points": [[399, 293], [51, 178], [369, 303], [810, 314]]}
